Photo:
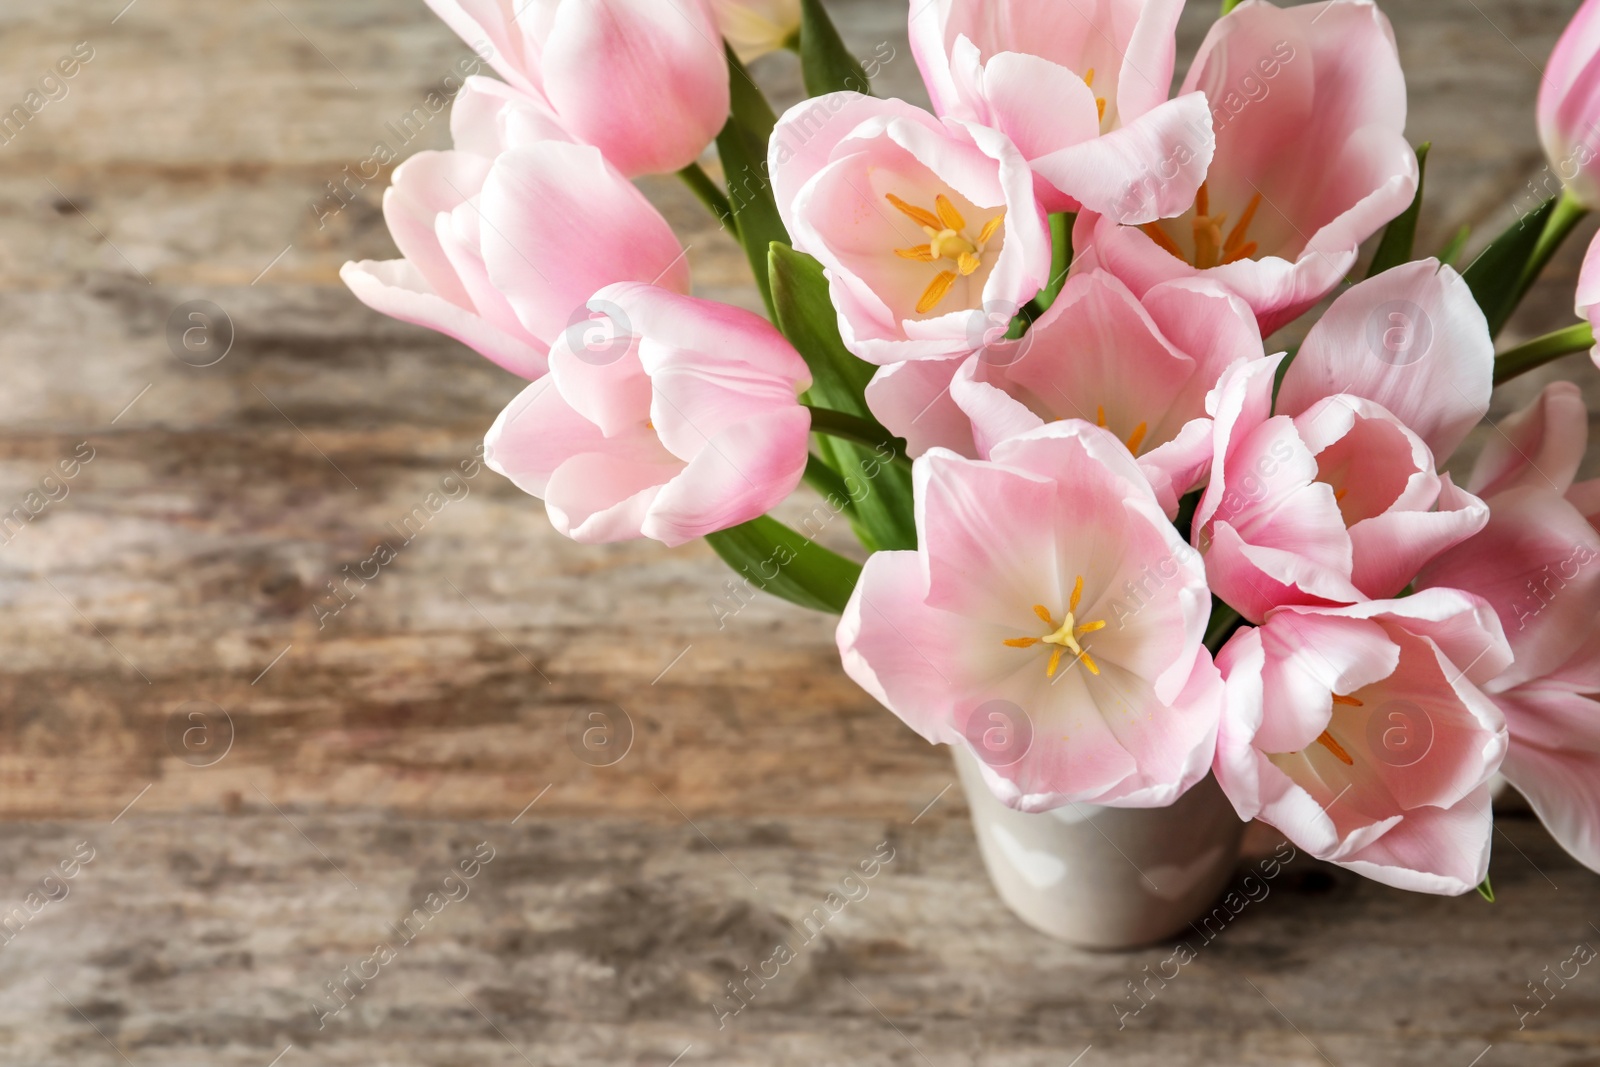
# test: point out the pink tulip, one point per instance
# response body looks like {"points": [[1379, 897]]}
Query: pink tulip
{"points": [[1361, 733], [1050, 619], [1569, 106], [756, 27], [1140, 368], [669, 417], [929, 230], [1588, 294], [1335, 498], [644, 81], [508, 236], [1309, 107], [1083, 93], [1537, 563]]}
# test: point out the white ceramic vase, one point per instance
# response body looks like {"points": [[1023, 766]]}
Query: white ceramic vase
{"points": [[1106, 878]]}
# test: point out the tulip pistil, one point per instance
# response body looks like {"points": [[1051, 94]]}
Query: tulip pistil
{"points": [[1211, 247], [947, 242], [1065, 636]]}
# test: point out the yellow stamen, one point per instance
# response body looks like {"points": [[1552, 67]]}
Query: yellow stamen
{"points": [[1100, 106], [920, 216], [1327, 742], [947, 240], [1088, 77], [1211, 247], [1154, 231], [1349, 702], [948, 215], [1235, 239], [1064, 637], [936, 291], [1339, 495], [1137, 437], [1100, 416]]}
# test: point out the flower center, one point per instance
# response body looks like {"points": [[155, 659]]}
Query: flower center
{"points": [[1065, 636], [1211, 248], [1327, 741], [947, 242], [1135, 439]]}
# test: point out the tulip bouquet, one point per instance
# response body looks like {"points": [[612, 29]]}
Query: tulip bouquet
{"points": [[1114, 540]]}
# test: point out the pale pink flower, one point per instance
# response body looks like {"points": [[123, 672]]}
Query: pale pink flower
{"points": [[756, 27], [1309, 106], [1335, 497], [1361, 733], [507, 237], [669, 417], [1537, 563], [1569, 106], [1142, 368], [1081, 90], [1051, 619], [644, 81], [929, 230]]}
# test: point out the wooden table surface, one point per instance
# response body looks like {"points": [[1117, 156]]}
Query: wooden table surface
{"points": [[265, 788]]}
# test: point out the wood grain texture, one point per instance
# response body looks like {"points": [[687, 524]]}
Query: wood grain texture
{"points": [[183, 569]]}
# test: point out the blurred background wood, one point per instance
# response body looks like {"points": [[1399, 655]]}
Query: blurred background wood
{"points": [[366, 755]]}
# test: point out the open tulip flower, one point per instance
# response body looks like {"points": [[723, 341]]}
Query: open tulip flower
{"points": [[1361, 734], [668, 417], [1048, 597], [472, 223], [1295, 184], [1333, 497], [1537, 563], [641, 80], [1081, 90], [929, 230], [1109, 545], [1141, 368]]}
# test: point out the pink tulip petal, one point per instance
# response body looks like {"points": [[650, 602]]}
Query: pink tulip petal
{"points": [[1541, 445], [643, 80], [1536, 564], [1433, 850], [1146, 170], [912, 399], [425, 186], [743, 472], [560, 224], [1411, 339], [397, 289], [1554, 761]]}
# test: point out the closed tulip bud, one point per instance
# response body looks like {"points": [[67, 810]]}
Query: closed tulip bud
{"points": [[644, 81], [1569, 106], [756, 27]]}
